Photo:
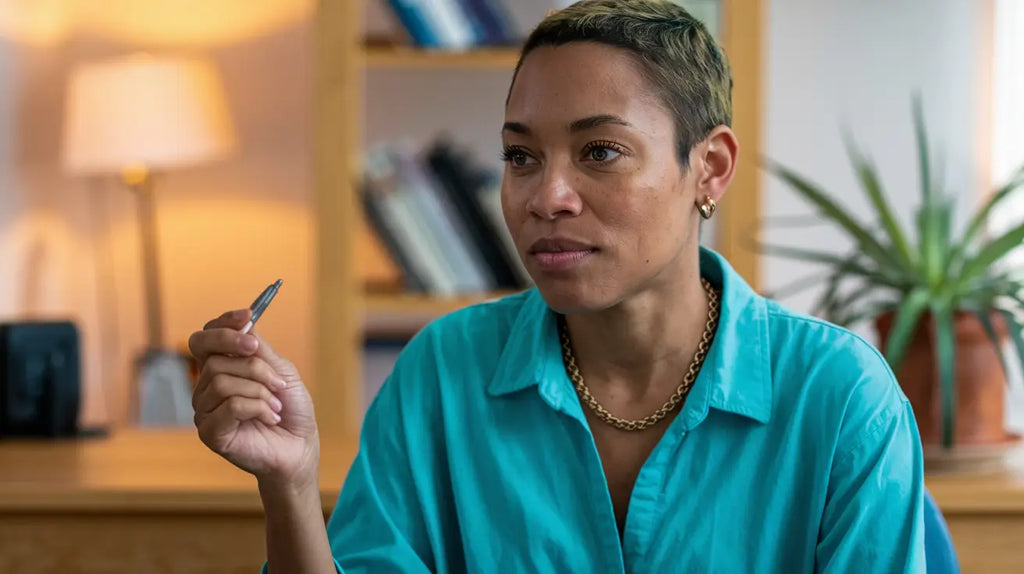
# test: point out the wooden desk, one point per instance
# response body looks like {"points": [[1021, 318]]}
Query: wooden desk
{"points": [[986, 518], [142, 501], [159, 501]]}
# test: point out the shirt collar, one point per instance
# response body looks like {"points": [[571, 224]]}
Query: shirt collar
{"points": [[735, 377]]}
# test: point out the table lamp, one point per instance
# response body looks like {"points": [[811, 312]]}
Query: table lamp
{"points": [[136, 116]]}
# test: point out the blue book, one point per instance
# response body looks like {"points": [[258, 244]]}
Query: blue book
{"points": [[417, 22], [491, 21]]}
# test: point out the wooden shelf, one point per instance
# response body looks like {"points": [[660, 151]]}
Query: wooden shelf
{"points": [[400, 315], [409, 57]]}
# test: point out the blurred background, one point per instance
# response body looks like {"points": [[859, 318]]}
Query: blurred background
{"points": [[229, 224], [157, 160]]}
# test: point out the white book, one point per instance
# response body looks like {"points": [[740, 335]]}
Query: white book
{"points": [[449, 21]]}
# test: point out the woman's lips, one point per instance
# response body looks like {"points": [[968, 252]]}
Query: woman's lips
{"points": [[560, 253], [561, 260]]}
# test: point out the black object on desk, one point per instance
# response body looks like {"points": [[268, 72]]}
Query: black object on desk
{"points": [[40, 379]]}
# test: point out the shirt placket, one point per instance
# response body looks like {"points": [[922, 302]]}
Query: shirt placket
{"points": [[596, 482], [646, 509]]}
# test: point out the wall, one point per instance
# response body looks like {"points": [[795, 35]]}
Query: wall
{"points": [[835, 65], [1008, 91]]}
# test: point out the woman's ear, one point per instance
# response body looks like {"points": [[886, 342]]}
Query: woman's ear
{"points": [[717, 159]]}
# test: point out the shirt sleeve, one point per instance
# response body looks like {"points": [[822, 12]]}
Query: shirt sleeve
{"points": [[873, 519]]}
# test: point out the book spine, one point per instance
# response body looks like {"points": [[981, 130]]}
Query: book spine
{"points": [[452, 26], [387, 207], [442, 223], [428, 253], [417, 23], [461, 189], [490, 199], [491, 18]]}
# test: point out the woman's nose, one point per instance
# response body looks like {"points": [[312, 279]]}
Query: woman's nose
{"points": [[555, 196]]}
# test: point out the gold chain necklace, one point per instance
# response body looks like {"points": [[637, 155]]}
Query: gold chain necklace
{"points": [[677, 397]]}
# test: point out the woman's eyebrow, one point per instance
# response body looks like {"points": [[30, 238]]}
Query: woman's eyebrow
{"points": [[516, 128], [595, 121], [575, 126]]}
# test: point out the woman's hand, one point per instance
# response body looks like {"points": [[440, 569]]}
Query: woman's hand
{"points": [[251, 406]]}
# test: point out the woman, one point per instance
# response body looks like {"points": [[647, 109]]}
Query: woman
{"points": [[641, 410]]}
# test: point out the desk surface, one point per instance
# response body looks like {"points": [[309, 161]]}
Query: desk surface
{"points": [[163, 470], [990, 493], [172, 471]]}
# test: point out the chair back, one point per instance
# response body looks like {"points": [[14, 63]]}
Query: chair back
{"points": [[939, 551]]}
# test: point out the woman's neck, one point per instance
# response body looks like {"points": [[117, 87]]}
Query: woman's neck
{"points": [[645, 342]]}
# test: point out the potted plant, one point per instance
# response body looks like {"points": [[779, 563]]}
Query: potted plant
{"points": [[942, 304]]}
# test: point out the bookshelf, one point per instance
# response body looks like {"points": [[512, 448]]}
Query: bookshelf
{"points": [[345, 313], [404, 57]]}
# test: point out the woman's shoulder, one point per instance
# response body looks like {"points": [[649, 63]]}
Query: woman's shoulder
{"points": [[839, 383], [813, 352]]}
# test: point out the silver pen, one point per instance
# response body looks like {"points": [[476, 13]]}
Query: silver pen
{"points": [[260, 304]]}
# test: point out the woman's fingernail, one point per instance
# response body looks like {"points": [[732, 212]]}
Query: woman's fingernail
{"points": [[281, 383], [276, 404], [277, 418]]}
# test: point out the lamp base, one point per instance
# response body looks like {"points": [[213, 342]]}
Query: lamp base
{"points": [[163, 387]]}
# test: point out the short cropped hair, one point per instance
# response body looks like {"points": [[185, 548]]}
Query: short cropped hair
{"points": [[676, 53]]}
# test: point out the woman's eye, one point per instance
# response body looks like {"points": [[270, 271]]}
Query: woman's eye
{"points": [[516, 157], [601, 153]]}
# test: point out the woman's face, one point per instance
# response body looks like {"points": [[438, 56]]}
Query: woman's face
{"points": [[593, 193]]}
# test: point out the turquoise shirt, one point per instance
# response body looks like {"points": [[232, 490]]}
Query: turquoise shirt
{"points": [[795, 451]]}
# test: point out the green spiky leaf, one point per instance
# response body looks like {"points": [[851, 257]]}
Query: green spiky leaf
{"points": [[1016, 330], [923, 157], [904, 326], [993, 252], [984, 317], [873, 189], [980, 218], [846, 265], [945, 356], [870, 246]]}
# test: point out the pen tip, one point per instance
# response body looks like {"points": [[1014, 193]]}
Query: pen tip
{"points": [[277, 283]]}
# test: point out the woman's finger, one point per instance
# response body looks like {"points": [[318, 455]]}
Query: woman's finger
{"points": [[252, 368], [234, 319], [221, 341], [224, 386], [225, 419]]}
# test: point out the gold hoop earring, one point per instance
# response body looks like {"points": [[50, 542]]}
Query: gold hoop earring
{"points": [[707, 208]]}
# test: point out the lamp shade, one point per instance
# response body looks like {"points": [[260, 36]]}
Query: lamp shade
{"points": [[142, 111]]}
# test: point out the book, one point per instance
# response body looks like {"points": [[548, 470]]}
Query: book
{"points": [[463, 182], [438, 214], [455, 24]]}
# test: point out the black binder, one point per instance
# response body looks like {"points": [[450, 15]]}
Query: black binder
{"points": [[40, 379]]}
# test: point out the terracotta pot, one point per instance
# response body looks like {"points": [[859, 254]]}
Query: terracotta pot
{"points": [[979, 380]]}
